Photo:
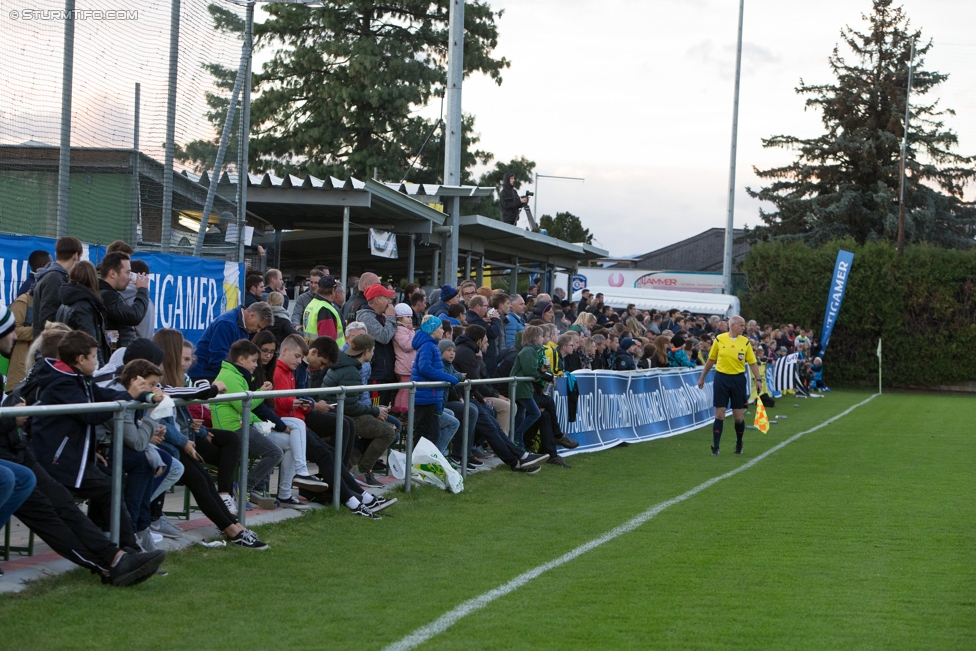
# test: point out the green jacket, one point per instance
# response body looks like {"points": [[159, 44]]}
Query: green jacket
{"points": [[345, 372], [227, 415], [527, 364]]}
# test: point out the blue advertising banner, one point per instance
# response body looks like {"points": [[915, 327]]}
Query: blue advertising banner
{"points": [[188, 293], [635, 406], [838, 283]]}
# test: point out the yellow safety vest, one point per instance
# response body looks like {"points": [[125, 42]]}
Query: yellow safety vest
{"points": [[311, 320]]}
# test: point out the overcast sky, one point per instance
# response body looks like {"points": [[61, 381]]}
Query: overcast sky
{"points": [[636, 96]]}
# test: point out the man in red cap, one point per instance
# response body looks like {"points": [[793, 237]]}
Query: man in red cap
{"points": [[379, 317]]}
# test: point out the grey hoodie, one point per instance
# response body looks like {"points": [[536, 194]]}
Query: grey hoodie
{"points": [[50, 278]]}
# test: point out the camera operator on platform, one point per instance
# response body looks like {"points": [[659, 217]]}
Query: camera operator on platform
{"points": [[510, 200]]}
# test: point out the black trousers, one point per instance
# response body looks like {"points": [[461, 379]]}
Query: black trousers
{"points": [[547, 426], [426, 423], [323, 455], [223, 451], [324, 426], [51, 513], [96, 487], [197, 480]]}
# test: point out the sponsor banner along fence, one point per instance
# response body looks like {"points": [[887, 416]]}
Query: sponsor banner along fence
{"points": [[188, 292], [615, 407]]}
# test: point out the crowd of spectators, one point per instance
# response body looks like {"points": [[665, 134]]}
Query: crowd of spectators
{"points": [[81, 333]]}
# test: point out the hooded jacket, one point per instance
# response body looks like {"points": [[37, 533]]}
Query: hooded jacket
{"points": [[345, 372], [403, 346], [215, 342], [120, 315], [23, 318], [528, 363], [227, 415], [510, 201], [47, 300], [624, 361], [428, 366], [65, 444], [282, 326], [83, 309], [382, 329], [439, 308]]}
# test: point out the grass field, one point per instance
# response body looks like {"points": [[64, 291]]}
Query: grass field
{"points": [[857, 536]]}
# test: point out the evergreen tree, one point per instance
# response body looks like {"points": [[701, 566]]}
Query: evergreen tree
{"points": [[846, 182], [340, 91], [566, 227]]}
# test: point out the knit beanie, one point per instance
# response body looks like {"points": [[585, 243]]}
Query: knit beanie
{"points": [[7, 322], [444, 344], [143, 349], [431, 323]]}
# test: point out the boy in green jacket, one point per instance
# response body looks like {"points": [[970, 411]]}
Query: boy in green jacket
{"points": [[235, 372]]}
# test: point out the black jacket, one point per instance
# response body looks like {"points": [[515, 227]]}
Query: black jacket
{"points": [[466, 360], [83, 309], [573, 361], [494, 331], [510, 201], [121, 316], [624, 361], [345, 372], [50, 278], [65, 444]]}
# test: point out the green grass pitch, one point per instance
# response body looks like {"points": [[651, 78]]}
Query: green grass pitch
{"points": [[859, 535]]}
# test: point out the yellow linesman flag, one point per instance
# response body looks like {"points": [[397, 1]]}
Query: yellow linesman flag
{"points": [[762, 420]]}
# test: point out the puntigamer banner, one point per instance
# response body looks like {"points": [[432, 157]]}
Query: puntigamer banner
{"points": [[188, 292], [615, 407]]}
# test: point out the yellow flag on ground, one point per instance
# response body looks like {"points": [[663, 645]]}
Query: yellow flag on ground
{"points": [[762, 420]]}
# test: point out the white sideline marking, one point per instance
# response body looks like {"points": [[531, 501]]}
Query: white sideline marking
{"points": [[448, 619]]}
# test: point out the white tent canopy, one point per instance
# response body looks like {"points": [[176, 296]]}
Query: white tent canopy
{"points": [[663, 299]]}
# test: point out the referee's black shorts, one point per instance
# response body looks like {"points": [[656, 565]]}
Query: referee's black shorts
{"points": [[730, 389]]}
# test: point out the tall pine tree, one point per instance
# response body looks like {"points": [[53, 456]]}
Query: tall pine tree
{"points": [[341, 91], [846, 182]]}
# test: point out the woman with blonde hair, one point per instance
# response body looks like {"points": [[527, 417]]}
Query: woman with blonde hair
{"points": [[584, 324]]}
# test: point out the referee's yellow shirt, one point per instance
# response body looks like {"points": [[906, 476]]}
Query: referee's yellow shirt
{"points": [[731, 355]]}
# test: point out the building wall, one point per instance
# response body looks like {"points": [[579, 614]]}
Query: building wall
{"points": [[99, 205]]}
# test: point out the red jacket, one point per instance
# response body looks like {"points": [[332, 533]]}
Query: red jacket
{"points": [[284, 379]]}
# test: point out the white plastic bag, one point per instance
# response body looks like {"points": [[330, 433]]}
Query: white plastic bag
{"points": [[430, 466], [398, 464]]}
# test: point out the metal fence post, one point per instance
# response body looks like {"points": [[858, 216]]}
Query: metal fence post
{"points": [[412, 394], [242, 478], [118, 434], [336, 477], [466, 421], [512, 408]]}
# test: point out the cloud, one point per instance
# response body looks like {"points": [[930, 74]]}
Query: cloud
{"points": [[722, 57]]}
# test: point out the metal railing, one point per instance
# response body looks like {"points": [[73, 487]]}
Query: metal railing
{"points": [[119, 408]]}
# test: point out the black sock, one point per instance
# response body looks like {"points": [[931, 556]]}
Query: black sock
{"points": [[740, 429], [717, 432]]}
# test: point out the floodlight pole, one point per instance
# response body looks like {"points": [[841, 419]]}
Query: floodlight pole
{"points": [[243, 135], [904, 156], [64, 163], [730, 219], [453, 134], [166, 224]]}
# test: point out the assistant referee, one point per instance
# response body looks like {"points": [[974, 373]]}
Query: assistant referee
{"points": [[729, 355]]}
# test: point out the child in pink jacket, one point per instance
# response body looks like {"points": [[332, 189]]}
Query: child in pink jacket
{"points": [[403, 345]]}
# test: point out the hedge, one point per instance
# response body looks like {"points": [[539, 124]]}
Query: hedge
{"points": [[921, 305]]}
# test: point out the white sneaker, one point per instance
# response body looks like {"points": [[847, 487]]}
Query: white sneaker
{"points": [[229, 503]]}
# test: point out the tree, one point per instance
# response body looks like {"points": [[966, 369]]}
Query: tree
{"points": [[344, 81], [521, 167], [566, 227], [846, 182]]}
